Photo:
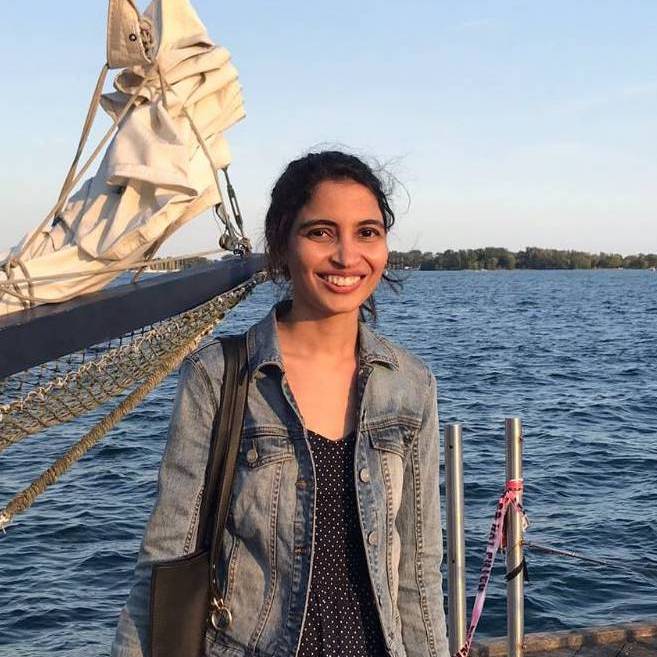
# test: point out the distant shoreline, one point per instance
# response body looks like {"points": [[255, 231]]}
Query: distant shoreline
{"points": [[484, 259], [533, 258]]}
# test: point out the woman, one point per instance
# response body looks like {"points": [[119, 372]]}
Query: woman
{"points": [[333, 542]]}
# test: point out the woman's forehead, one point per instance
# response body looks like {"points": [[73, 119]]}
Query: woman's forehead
{"points": [[341, 200]]}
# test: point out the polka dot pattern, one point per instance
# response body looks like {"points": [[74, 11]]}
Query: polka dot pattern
{"points": [[341, 619]]}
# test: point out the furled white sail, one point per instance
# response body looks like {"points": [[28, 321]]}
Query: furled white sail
{"points": [[172, 102]]}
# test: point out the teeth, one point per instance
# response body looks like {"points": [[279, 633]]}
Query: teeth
{"points": [[342, 281]]}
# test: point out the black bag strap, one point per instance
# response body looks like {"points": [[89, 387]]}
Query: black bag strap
{"points": [[224, 447], [232, 442]]}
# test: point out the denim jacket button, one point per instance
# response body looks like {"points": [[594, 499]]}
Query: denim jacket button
{"points": [[364, 475], [252, 455], [372, 538]]}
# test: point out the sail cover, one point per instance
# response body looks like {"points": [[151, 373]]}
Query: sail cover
{"points": [[171, 103]]}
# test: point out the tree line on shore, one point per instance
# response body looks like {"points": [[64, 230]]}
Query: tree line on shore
{"points": [[530, 258]]}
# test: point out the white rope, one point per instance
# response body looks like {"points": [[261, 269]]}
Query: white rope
{"points": [[206, 151], [86, 128], [66, 190]]}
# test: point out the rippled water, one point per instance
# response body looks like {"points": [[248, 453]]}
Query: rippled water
{"points": [[572, 353]]}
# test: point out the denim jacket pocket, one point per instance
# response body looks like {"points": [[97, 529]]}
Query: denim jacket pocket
{"points": [[393, 435], [264, 445]]}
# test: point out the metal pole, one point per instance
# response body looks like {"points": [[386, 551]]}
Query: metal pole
{"points": [[456, 614], [515, 604]]}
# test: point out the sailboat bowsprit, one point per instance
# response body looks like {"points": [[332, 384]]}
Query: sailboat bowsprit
{"points": [[47, 332]]}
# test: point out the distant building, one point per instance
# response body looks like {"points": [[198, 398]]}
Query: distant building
{"points": [[175, 264]]}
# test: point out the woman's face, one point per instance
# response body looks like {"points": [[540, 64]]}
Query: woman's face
{"points": [[337, 249]]}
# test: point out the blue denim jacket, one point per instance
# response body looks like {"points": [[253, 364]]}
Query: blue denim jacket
{"points": [[265, 562]]}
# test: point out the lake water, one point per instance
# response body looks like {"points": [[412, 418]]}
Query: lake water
{"points": [[572, 353]]}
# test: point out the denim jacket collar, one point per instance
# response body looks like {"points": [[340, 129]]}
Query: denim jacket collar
{"points": [[263, 347]]}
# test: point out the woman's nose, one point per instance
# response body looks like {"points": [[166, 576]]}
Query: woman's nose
{"points": [[346, 252]]}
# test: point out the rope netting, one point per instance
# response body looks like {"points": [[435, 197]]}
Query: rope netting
{"points": [[66, 388], [145, 360]]}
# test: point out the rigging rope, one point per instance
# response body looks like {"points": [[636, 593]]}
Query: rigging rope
{"points": [[635, 568], [229, 240], [86, 129], [24, 500]]}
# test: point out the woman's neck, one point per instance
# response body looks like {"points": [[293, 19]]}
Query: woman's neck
{"points": [[304, 334]]}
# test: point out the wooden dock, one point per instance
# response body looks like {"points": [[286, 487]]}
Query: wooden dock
{"points": [[630, 640]]}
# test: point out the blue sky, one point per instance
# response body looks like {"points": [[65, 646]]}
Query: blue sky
{"points": [[508, 123]]}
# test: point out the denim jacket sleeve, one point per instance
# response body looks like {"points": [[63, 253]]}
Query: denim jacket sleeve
{"points": [[420, 599], [171, 529]]}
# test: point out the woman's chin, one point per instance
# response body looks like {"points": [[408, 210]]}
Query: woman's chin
{"points": [[328, 304], [341, 304]]}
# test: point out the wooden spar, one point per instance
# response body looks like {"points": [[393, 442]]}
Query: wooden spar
{"points": [[49, 331], [635, 639]]}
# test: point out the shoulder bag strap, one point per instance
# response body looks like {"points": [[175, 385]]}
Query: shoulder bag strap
{"points": [[227, 429], [225, 483]]}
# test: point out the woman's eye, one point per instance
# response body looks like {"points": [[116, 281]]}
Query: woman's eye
{"points": [[323, 233], [371, 232], [317, 232]]}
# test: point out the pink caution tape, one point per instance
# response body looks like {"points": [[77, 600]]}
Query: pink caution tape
{"points": [[496, 540]]}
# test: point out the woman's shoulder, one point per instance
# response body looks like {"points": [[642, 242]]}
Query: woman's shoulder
{"points": [[207, 361], [410, 365]]}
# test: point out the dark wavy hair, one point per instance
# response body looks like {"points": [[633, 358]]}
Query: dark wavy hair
{"points": [[295, 188]]}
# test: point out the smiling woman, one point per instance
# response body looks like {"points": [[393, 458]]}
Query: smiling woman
{"points": [[333, 542], [334, 200]]}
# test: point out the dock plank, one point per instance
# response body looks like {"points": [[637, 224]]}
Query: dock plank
{"points": [[627, 649], [629, 640]]}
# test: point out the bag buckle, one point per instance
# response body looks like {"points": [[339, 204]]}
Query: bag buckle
{"points": [[220, 615]]}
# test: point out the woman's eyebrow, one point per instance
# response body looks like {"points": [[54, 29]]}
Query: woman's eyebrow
{"points": [[362, 222]]}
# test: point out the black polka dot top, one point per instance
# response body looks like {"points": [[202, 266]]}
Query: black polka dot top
{"points": [[341, 619]]}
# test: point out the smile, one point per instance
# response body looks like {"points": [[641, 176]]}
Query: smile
{"points": [[345, 283]]}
